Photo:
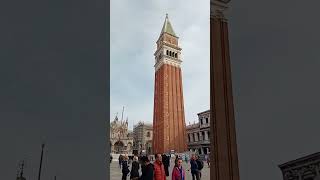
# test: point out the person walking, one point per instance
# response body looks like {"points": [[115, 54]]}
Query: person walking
{"points": [[166, 163], [147, 169], [200, 165], [111, 158], [134, 174], [176, 160], [159, 173], [125, 168], [130, 159], [178, 173], [194, 168], [186, 158], [120, 161]]}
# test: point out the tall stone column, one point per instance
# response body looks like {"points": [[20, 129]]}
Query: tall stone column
{"points": [[224, 146]]}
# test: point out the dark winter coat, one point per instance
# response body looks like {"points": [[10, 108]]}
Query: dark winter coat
{"points": [[134, 170], [166, 163], [194, 167], [125, 168], [147, 172]]}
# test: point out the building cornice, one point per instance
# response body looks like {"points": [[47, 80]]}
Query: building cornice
{"points": [[217, 8], [167, 60], [204, 112], [300, 161]]}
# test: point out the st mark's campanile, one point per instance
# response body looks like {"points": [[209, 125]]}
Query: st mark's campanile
{"points": [[168, 116]]}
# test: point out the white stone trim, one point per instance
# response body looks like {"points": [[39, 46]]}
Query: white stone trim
{"points": [[169, 61]]}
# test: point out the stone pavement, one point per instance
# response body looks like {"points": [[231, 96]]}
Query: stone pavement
{"points": [[115, 171]]}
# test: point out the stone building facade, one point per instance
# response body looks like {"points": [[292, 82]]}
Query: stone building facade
{"points": [[198, 134], [121, 139], [142, 135], [304, 168]]}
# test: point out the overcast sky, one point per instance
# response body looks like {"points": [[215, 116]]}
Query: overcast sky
{"points": [[135, 28]]}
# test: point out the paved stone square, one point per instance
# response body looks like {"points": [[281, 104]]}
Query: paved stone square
{"points": [[116, 174]]}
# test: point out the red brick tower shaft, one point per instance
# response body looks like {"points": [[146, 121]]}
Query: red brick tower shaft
{"points": [[168, 118]]}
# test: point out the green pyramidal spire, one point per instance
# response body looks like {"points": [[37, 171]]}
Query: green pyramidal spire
{"points": [[167, 28]]}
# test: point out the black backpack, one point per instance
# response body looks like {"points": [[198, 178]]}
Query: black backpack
{"points": [[200, 164]]}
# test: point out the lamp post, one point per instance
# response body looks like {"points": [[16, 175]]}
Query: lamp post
{"points": [[39, 175]]}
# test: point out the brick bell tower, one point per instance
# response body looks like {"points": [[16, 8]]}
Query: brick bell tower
{"points": [[168, 117]]}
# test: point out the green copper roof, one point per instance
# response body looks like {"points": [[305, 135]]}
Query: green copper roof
{"points": [[167, 27]]}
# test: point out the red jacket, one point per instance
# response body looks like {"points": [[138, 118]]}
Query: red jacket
{"points": [[159, 173], [176, 174]]}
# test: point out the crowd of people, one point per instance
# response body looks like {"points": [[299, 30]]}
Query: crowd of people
{"points": [[159, 169]]}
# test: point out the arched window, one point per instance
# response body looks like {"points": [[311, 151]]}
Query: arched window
{"points": [[170, 53], [176, 55], [167, 52], [148, 134]]}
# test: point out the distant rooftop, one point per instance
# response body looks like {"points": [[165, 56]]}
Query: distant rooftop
{"points": [[207, 111], [191, 126], [302, 160], [141, 123]]}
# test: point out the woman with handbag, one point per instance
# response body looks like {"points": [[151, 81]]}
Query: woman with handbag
{"points": [[134, 175]]}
